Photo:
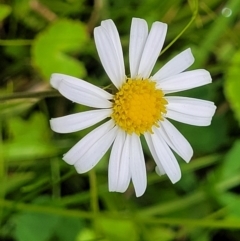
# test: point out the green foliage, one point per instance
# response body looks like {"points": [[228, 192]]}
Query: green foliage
{"points": [[212, 137], [14, 108], [231, 202], [37, 227], [5, 10], [22, 11], [231, 164], [211, 38], [28, 139], [14, 182], [65, 8], [51, 48], [159, 233], [44, 199], [41, 227], [128, 231], [232, 84]]}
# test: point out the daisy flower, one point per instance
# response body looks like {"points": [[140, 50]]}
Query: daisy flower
{"points": [[140, 106]]}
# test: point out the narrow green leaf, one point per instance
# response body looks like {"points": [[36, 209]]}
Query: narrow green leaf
{"points": [[14, 182], [231, 202], [232, 84], [231, 164]]}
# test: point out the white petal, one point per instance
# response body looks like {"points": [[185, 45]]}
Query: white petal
{"points": [[159, 169], [184, 81], [80, 91], [94, 154], [188, 119], [190, 111], [124, 178], [77, 151], [82, 97], [175, 140], [166, 157], [137, 165], [191, 106], [79, 84], [113, 34], [109, 55], [78, 121], [118, 169], [138, 36], [152, 48], [175, 66]]}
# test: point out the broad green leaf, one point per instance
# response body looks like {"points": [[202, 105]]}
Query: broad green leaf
{"points": [[52, 48], [5, 10], [33, 129], [232, 84], [31, 226], [35, 226], [119, 230], [87, 234], [29, 139], [68, 229]]}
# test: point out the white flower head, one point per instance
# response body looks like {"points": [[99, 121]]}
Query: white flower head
{"points": [[139, 107]]}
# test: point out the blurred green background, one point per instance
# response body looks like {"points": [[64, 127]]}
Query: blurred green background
{"points": [[44, 199]]}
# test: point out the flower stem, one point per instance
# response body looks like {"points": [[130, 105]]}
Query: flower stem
{"points": [[195, 13], [23, 95], [15, 42], [94, 198], [2, 173], [55, 174]]}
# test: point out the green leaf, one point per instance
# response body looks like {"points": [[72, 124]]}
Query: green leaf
{"points": [[14, 182], [215, 33], [87, 234], [23, 11], [14, 108], [119, 230], [5, 10], [52, 48], [42, 226], [65, 8], [29, 138], [159, 233], [35, 226], [68, 228], [232, 84], [231, 164], [231, 202], [206, 139]]}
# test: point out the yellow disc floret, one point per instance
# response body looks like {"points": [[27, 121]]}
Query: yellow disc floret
{"points": [[138, 106]]}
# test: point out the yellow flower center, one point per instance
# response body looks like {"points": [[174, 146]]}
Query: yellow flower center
{"points": [[138, 106]]}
